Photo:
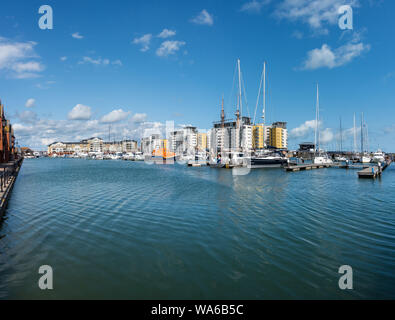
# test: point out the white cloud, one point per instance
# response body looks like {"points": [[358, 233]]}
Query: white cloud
{"points": [[45, 85], [77, 35], [166, 33], [203, 18], [30, 103], [63, 58], [99, 61], [254, 6], [325, 57], [169, 47], [303, 129], [316, 13], [144, 41], [326, 135], [80, 112], [117, 62], [139, 117], [18, 59], [115, 116], [307, 128]]}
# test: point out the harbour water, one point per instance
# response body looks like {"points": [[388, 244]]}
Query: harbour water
{"points": [[128, 230]]}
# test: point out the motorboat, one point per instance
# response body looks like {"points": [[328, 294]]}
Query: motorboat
{"points": [[266, 160], [378, 156], [322, 159]]}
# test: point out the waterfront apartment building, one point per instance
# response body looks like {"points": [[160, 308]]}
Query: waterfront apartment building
{"points": [[260, 136], [8, 150], [226, 136], [202, 141], [279, 135], [151, 143], [184, 140], [92, 145]]}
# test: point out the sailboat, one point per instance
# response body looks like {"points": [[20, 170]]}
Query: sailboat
{"points": [[340, 157], [320, 157], [365, 158], [265, 158]]}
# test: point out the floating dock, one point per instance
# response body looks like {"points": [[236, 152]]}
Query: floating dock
{"points": [[373, 171], [308, 166], [8, 174]]}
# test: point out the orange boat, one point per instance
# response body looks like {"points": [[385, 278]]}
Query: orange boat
{"points": [[164, 155]]}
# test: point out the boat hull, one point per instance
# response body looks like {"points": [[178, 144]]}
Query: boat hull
{"points": [[257, 163]]}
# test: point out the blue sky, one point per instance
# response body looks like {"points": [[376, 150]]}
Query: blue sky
{"points": [[135, 64]]}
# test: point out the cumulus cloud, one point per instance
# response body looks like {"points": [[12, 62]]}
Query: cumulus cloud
{"points": [[80, 112], [169, 47], [27, 116], [166, 33], [307, 129], [203, 18], [139, 117], [77, 35], [99, 61], [144, 41], [115, 116], [326, 135], [30, 103], [19, 60], [254, 6], [304, 129], [325, 57]]}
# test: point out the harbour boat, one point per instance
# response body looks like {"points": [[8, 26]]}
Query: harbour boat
{"points": [[365, 159], [138, 156], [340, 159], [116, 156], [320, 156], [378, 156], [268, 160], [322, 159], [128, 156]]}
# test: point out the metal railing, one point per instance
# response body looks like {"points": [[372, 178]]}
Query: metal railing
{"points": [[9, 171]]}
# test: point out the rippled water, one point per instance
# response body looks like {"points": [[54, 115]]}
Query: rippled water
{"points": [[116, 229]]}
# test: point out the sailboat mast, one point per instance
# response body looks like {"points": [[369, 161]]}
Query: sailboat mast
{"points": [[264, 94], [240, 100], [362, 133], [341, 136], [355, 136], [317, 118]]}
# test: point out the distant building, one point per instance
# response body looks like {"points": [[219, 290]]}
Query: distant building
{"points": [[202, 141], [8, 150], [260, 136], [227, 136], [92, 145], [151, 143], [184, 140], [279, 135], [307, 146]]}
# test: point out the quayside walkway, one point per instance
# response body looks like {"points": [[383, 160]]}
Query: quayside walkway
{"points": [[8, 174]]}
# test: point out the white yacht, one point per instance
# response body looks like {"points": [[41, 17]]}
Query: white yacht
{"points": [[139, 156], [378, 156], [365, 159], [322, 159]]}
